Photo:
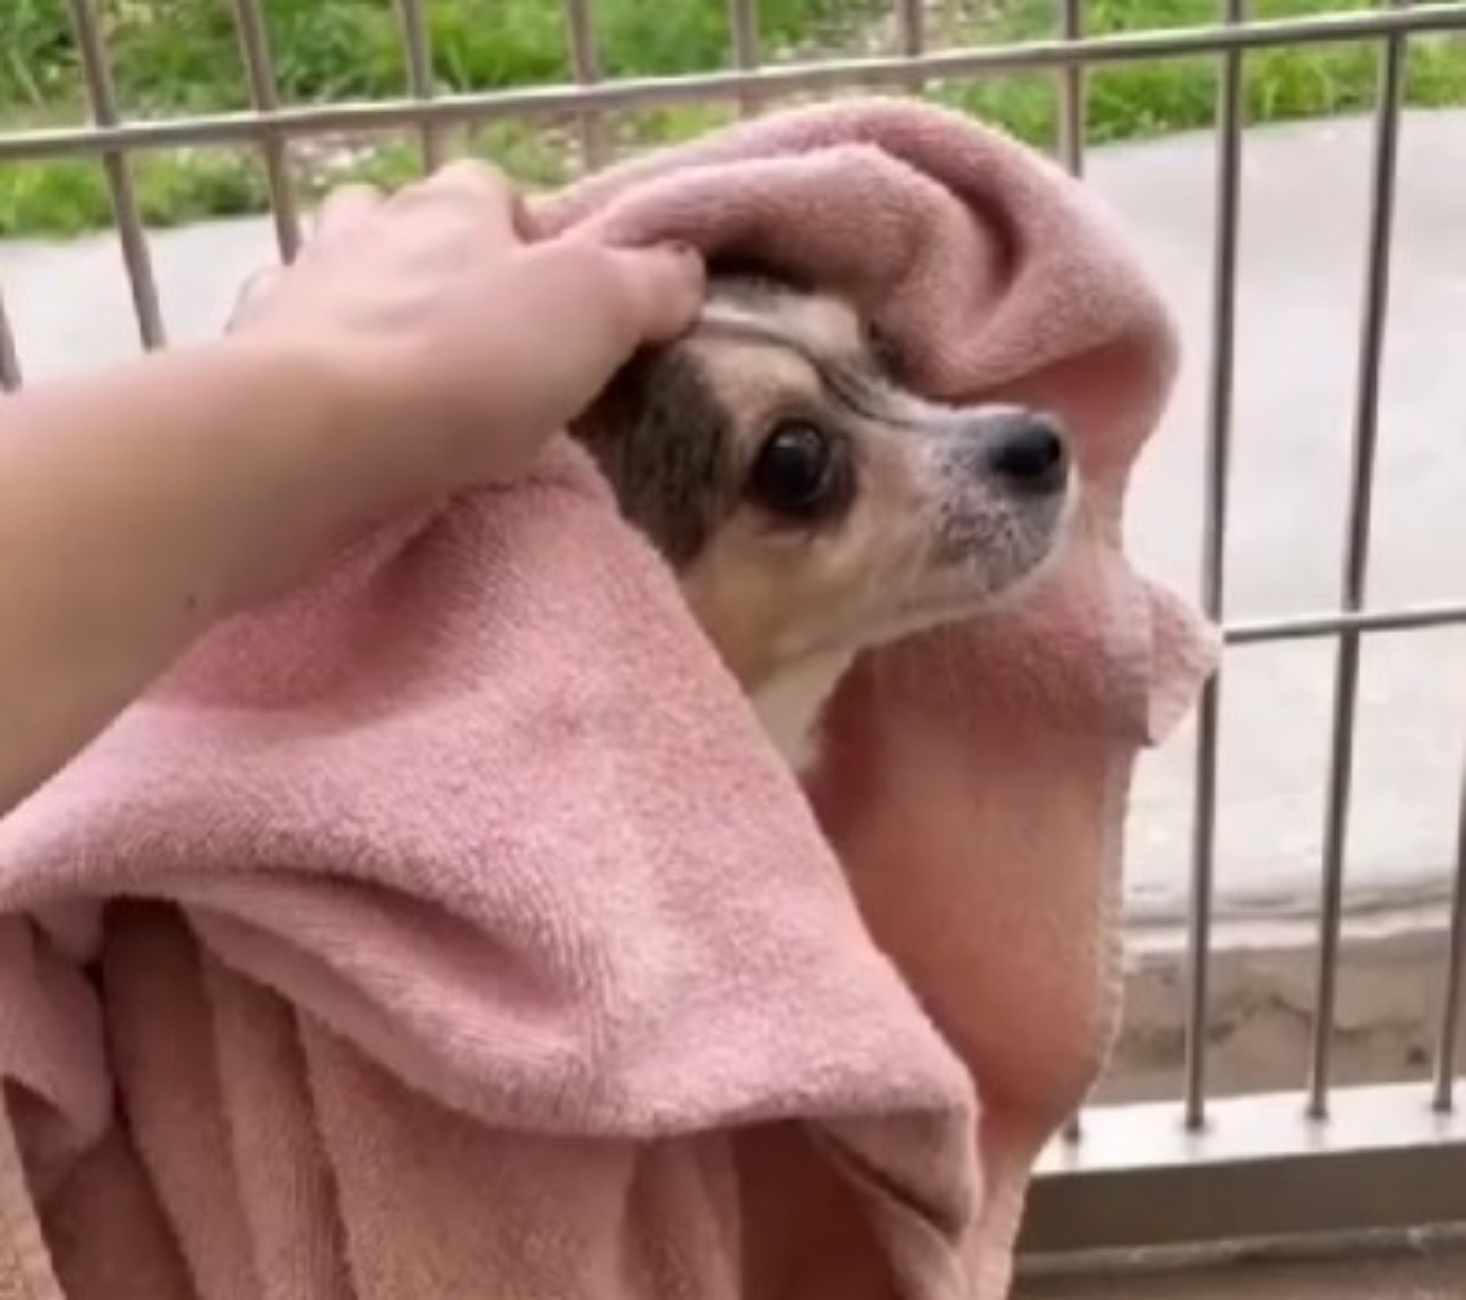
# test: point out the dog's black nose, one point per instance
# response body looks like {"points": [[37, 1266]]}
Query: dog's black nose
{"points": [[1028, 452]]}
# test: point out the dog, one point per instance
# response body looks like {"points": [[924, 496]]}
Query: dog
{"points": [[812, 507]]}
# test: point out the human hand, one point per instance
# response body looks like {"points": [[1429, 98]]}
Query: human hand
{"points": [[460, 345]]}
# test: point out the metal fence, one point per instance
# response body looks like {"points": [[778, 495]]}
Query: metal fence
{"points": [[1350, 1162]]}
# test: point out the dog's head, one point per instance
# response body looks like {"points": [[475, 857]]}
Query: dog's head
{"points": [[809, 504]]}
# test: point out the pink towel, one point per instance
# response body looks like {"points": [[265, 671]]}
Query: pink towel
{"points": [[450, 930]]}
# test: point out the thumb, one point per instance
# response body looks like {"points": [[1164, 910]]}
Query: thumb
{"points": [[662, 288]]}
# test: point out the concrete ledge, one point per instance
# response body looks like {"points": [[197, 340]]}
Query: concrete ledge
{"points": [[1259, 1176], [1421, 1275], [1391, 994]]}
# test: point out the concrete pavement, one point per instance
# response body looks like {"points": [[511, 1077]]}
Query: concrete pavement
{"points": [[1304, 205]]}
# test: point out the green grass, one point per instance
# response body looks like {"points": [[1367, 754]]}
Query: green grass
{"points": [[181, 56], [1141, 101]]}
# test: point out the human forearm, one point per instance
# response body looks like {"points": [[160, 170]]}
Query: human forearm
{"points": [[418, 345], [135, 508]]}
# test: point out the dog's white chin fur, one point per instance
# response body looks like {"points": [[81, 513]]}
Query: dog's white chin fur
{"points": [[791, 705]]}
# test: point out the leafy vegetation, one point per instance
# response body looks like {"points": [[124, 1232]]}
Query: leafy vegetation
{"points": [[182, 56]]}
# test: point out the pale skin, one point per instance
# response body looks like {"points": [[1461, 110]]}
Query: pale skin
{"points": [[419, 346]]}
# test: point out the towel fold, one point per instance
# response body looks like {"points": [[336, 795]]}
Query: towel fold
{"points": [[450, 930]]}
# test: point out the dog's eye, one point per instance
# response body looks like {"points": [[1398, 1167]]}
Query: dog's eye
{"points": [[795, 473]]}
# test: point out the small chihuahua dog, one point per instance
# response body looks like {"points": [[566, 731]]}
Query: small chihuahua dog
{"points": [[810, 506]]}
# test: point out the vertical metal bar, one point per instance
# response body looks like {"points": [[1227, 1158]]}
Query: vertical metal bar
{"points": [[102, 99], [1356, 561], [1214, 562], [264, 95], [911, 14], [1071, 92], [587, 60], [1445, 1049], [418, 47], [9, 361], [743, 23]]}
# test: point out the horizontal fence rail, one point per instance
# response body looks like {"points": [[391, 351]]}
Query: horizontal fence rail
{"points": [[1351, 1161], [1386, 1164], [1303, 626], [767, 81]]}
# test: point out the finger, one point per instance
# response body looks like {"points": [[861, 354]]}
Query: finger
{"points": [[663, 288], [344, 209], [255, 288], [473, 186], [527, 223]]}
